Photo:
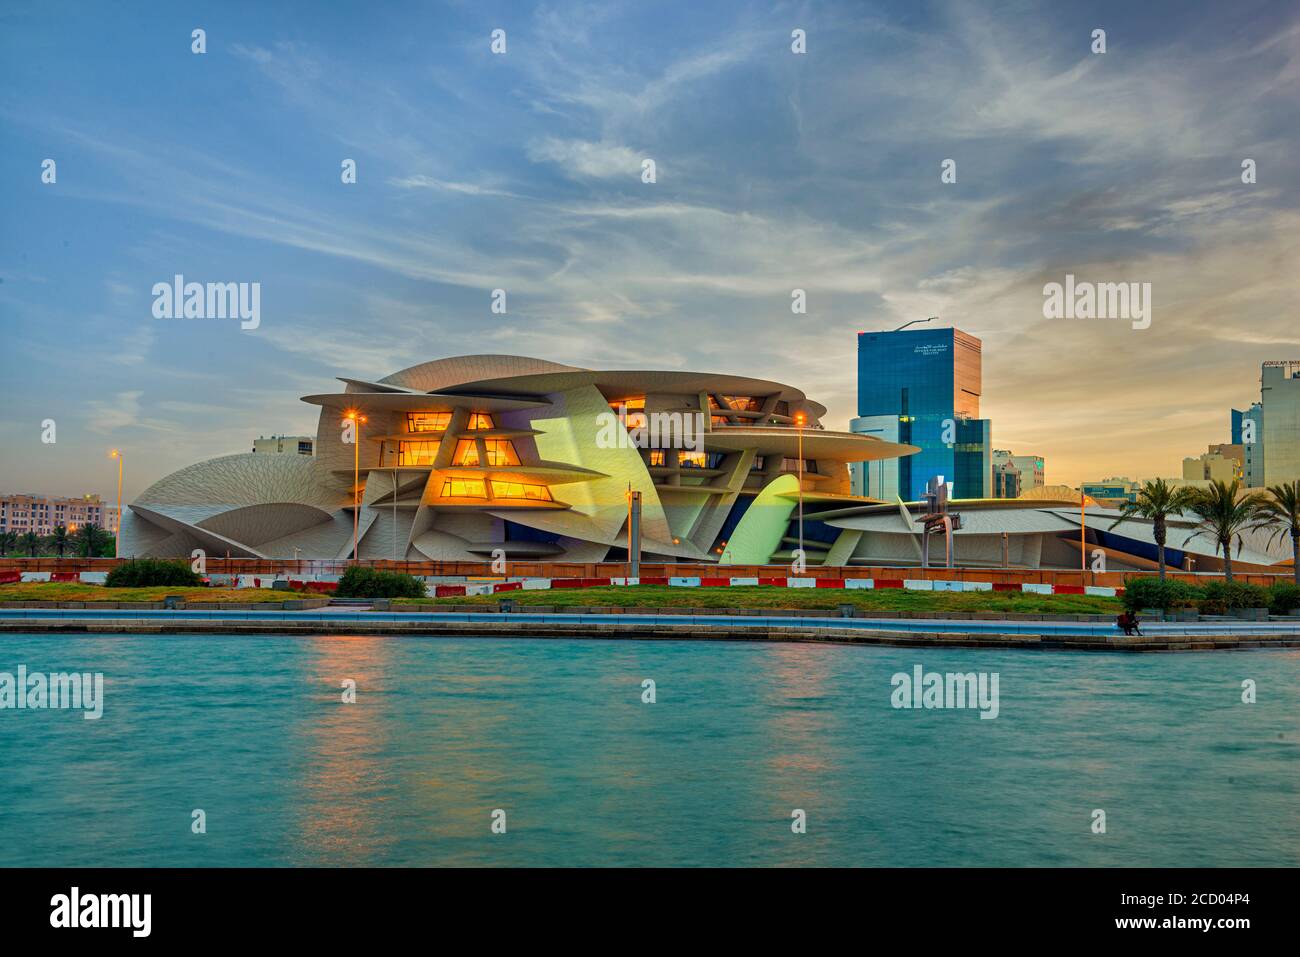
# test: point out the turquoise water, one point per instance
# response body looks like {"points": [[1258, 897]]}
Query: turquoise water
{"points": [[253, 731]]}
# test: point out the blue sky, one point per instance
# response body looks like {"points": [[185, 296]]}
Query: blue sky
{"points": [[775, 172]]}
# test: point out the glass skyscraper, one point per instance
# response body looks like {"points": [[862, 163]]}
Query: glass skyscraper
{"points": [[928, 381]]}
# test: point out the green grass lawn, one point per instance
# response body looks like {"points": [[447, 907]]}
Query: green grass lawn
{"points": [[748, 596], [76, 591]]}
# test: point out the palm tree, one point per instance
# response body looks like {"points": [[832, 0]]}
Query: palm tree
{"points": [[60, 537], [1156, 501], [1226, 515], [88, 539], [8, 540], [32, 542], [1280, 511]]}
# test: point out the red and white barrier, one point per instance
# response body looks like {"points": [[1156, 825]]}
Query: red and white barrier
{"points": [[911, 584]]}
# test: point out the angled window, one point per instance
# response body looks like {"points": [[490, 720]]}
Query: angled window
{"points": [[427, 421], [500, 452], [463, 488], [479, 421], [417, 453], [466, 453], [518, 490], [699, 460]]}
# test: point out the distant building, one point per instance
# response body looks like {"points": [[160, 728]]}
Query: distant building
{"points": [[922, 386], [1006, 480], [1112, 492], [42, 513], [1215, 466], [1031, 468], [1279, 397], [1252, 431], [285, 444]]}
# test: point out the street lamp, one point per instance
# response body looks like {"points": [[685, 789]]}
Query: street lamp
{"points": [[117, 540], [357, 419], [799, 418]]}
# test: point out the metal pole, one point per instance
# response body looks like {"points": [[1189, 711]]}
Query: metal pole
{"points": [[395, 558], [800, 420], [117, 541], [1083, 537], [356, 483], [634, 534]]}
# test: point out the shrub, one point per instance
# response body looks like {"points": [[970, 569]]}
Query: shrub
{"points": [[360, 582], [1220, 597], [1283, 597], [1142, 593], [143, 572]]}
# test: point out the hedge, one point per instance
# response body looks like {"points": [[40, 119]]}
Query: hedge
{"points": [[360, 582], [143, 572]]}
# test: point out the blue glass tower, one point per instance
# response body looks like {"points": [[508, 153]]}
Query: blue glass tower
{"points": [[927, 381]]}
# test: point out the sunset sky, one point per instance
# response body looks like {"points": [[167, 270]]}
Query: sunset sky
{"points": [[522, 171]]}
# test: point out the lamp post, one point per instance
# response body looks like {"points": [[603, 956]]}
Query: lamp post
{"points": [[117, 540], [799, 418], [356, 419]]}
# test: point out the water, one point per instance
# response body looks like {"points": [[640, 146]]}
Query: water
{"points": [[253, 731]]}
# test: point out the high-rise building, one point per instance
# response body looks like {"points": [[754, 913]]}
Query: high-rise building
{"points": [[1251, 440], [1279, 397], [924, 383], [1031, 468]]}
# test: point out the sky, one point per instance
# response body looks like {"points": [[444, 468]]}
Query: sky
{"points": [[523, 171]]}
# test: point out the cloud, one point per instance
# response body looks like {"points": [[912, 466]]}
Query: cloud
{"points": [[578, 158]]}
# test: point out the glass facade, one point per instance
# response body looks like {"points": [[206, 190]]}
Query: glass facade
{"points": [[930, 380]]}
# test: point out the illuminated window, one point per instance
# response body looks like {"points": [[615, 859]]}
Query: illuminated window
{"points": [[658, 457], [719, 420], [744, 403], [501, 452], [466, 453], [699, 460], [463, 488], [427, 421], [713, 402], [479, 420], [632, 405], [417, 453], [535, 493]]}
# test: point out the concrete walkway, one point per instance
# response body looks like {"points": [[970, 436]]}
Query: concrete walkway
{"points": [[1162, 636]]}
